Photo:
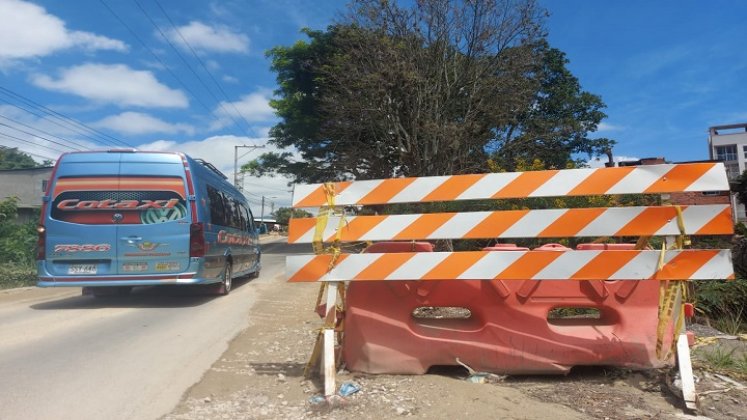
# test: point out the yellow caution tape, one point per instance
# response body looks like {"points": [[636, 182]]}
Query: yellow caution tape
{"points": [[335, 249], [681, 239]]}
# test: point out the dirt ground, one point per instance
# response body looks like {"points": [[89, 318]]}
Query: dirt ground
{"points": [[260, 376]]}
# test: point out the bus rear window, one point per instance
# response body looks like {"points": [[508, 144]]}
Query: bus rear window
{"points": [[119, 200]]}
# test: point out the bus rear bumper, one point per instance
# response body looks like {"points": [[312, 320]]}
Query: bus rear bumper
{"points": [[112, 281]]}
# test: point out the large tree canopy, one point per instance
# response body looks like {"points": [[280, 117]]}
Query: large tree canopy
{"points": [[439, 87]]}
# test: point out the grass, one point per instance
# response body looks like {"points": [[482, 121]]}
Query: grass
{"points": [[723, 360], [719, 358], [730, 321], [741, 364], [17, 275]]}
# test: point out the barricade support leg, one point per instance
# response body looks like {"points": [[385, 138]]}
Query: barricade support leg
{"points": [[328, 354], [686, 372]]}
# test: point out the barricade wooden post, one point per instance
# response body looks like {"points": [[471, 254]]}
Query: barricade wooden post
{"points": [[672, 264], [328, 365]]}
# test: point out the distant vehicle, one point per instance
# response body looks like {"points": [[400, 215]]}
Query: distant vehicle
{"points": [[116, 219]]}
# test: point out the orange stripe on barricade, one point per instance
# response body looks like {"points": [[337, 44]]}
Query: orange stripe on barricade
{"points": [[625, 180], [384, 266], [685, 264], [604, 265], [386, 190], [571, 222], [319, 196], [298, 227], [358, 226], [454, 265], [453, 187], [317, 268], [722, 224], [714, 219], [679, 178], [424, 226], [515, 265], [495, 224], [601, 180], [528, 265], [525, 184], [649, 221]]}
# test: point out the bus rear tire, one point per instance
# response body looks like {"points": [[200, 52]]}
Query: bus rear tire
{"points": [[224, 287]]}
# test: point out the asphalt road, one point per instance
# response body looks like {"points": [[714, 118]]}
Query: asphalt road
{"points": [[67, 356]]}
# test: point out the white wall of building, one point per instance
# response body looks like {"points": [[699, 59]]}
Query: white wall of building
{"points": [[728, 143]]}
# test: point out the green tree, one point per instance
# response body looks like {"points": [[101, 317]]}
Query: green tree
{"points": [[283, 214], [740, 188], [429, 89], [556, 124], [12, 158], [392, 90]]}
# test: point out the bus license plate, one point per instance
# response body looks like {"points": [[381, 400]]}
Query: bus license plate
{"points": [[82, 269], [167, 266], [135, 267]]}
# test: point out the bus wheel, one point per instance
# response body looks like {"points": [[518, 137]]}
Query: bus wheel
{"points": [[225, 285]]}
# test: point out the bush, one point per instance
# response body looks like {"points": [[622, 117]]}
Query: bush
{"points": [[17, 275], [722, 299], [17, 240]]}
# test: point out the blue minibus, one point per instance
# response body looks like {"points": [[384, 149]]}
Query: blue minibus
{"points": [[112, 220]]}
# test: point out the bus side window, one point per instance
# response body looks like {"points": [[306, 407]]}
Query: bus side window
{"points": [[250, 221], [232, 218], [217, 210], [242, 215]]}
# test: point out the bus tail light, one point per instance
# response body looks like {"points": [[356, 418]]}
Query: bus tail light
{"points": [[41, 243], [196, 240]]}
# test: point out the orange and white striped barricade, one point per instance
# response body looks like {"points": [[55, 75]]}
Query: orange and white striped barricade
{"points": [[509, 294]]}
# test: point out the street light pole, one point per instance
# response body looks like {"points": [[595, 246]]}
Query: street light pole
{"points": [[236, 161]]}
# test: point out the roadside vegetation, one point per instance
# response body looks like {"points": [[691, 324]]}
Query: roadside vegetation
{"points": [[17, 240], [17, 247]]}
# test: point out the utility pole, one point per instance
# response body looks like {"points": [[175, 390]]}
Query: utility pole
{"points": [[236, 162], [262, 212]]}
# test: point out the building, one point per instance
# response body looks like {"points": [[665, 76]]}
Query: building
{"points": [[728, 144], [28, 185]]}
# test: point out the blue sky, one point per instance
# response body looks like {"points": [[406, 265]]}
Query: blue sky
{"points": [[667, 70]]}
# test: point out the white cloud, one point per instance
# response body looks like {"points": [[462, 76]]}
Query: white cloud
{"points": [[230, 79], [140, 123], [212, 65], [116, 84], [208, 38], [603, 126], [27, 30], [254, 107], [219, 150]]}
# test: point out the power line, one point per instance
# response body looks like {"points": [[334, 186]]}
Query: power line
{"points": [[168, 69], [189, 66], [202, 63], [8, 136], [62, 116], [42, 131], [26, 152], [38, 136], [67, 127]]}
